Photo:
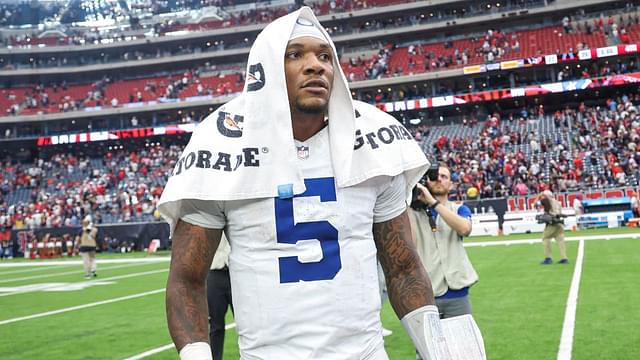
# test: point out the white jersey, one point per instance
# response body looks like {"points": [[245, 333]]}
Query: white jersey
{"points": [[303, 269]]}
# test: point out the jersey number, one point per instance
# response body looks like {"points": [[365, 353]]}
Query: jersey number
{"points": [[288, 232]]}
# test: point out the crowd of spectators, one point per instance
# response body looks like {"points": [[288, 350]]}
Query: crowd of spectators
{"points": [[445, 87], [608, 137], [123, 186], [582, 148], [597, 148], [492, 46], [64, 127], [55, 97], [614, 26], [374, 67], [496, 45]]}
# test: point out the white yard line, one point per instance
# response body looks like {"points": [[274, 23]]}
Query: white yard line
{"points": [[566, 339], [42, 268], [165, 347], [101, 279], [79, 262], [469, 243], [152, 352], [80, 307], [66, 273]]}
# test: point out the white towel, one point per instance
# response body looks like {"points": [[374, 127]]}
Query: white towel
{"points": [[245, 149]]}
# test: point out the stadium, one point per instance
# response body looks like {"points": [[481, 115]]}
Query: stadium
{"points": [[99, 98]]}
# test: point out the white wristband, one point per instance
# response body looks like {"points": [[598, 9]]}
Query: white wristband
{"points": [[424, 328], [196, 351]]}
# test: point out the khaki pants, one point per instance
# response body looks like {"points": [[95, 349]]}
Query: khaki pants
{"points": [[555, 231], [89, 262]]}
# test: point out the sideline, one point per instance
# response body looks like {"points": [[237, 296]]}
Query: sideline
{"points": [[566, 339], [79, 307], [165, 347]]}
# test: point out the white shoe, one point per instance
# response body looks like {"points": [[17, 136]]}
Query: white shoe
{"points": [[386, 332]]}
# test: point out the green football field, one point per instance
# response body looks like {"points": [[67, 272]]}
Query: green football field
{"points": [[51, 312]]}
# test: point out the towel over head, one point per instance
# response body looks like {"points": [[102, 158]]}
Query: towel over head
{"points": [[246, 150]]}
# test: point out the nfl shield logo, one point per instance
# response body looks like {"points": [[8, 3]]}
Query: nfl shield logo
{"points": [[303, 152]]}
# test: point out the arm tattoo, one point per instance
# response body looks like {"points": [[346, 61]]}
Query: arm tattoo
{"points": [[186, 300], [408, 284]]}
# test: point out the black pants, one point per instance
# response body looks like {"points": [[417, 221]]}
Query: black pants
{"points": [[219, 299]]}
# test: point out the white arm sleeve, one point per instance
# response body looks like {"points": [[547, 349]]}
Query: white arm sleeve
{"points": [[391, 201], [424, 328], [196, 351], [207, 214]]}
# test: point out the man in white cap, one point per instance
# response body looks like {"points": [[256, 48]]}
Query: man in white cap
{"points": [[87, 247], [302, 264]]}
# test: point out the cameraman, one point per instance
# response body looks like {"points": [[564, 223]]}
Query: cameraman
{"points": [[439, 227], [554, 227], [87, 247]]}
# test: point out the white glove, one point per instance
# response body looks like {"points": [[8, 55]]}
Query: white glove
{"points": [[424, 328], [196, 351]]}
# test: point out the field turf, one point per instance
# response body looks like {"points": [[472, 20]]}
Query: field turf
{"points": [[52, 312]]}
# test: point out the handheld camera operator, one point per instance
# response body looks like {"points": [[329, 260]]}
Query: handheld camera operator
{"points": [[554, 226], [87, 246], [439, 227]]}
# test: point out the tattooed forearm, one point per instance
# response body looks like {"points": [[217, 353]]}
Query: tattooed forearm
{"points": [[191, 255], [407, 282]]}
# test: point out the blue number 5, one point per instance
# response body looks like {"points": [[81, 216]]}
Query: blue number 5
{"points": [[288, 232]]}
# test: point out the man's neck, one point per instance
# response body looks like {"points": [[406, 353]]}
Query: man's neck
{"points": [[443, 199], [306, 125]]}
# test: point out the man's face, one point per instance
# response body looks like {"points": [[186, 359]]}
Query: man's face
{"points": [[442, 185], [308, 68]]}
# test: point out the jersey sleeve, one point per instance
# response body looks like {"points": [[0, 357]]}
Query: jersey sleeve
{"points": [[391, 200], [464, 211], [207, 214]]}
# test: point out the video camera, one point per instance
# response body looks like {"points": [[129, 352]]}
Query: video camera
{"points": [[432, 174], [415, 203], [549, 219]]}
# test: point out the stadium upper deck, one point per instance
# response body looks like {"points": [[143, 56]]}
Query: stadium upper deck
{"points": [[438, 59], [357, 29]]}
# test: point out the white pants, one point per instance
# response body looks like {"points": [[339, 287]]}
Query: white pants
{"points": [[89, 262], [379, 354]]}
